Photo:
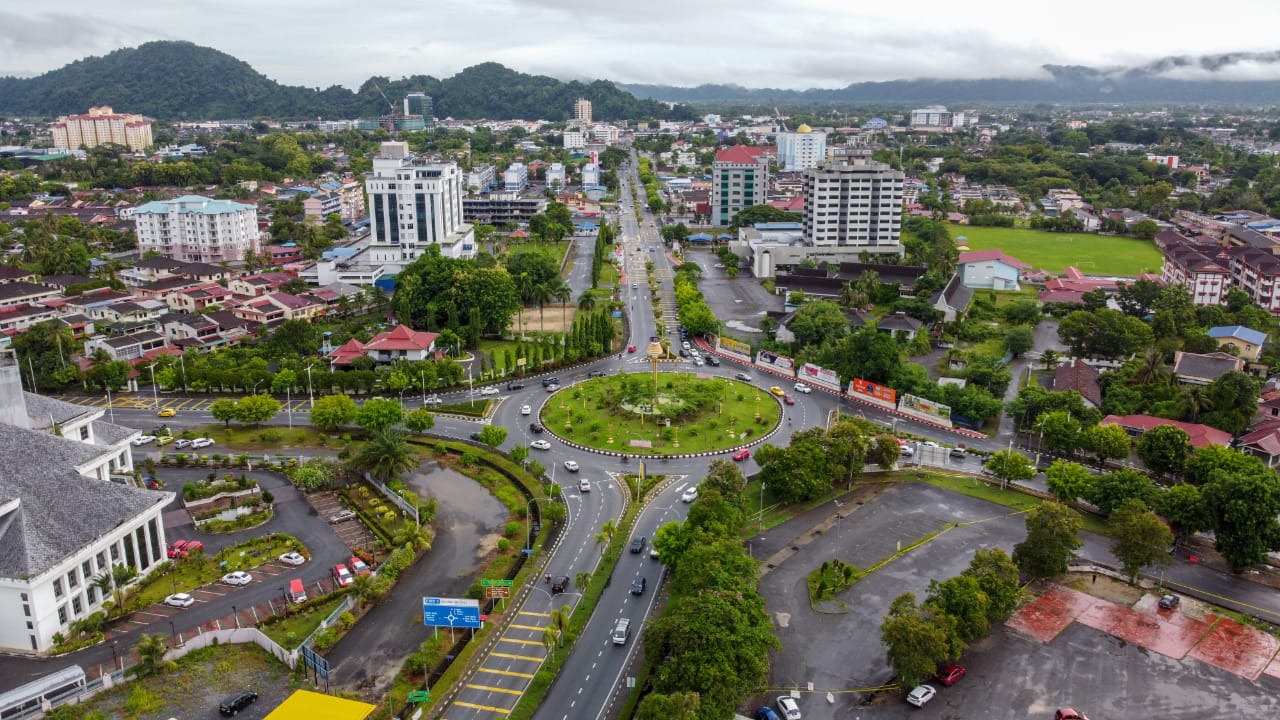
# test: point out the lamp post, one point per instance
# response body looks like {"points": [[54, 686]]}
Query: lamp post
{"points": [[528, 516], [182, 362], [761, 506], [422, 376], [155, 398], [111, 408], [254, 391], [115, 659], [173, 632], [311, 398], [288, 403]]}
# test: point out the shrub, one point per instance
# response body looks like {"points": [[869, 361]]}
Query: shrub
{"points": [[512, 529], [504, 545], [270, 436]]}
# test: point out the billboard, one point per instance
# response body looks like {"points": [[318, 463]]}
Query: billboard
{"points": [[922, 406], [858, 386], [733, 346], [812, 372], [451, 612], [780, 362]]}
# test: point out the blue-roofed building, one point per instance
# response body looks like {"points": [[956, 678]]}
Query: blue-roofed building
{"points": [[700, 239], [586, 227], [193, 228], [1247, 341]]}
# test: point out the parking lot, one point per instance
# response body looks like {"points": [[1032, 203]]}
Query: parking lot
{"points": [[1010, 676], [742, 299], [352, 532]]}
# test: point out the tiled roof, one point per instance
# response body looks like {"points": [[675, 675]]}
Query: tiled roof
{"points": [[956, 294], [1081, 377], [1210, 366], [737, 154], [402, 337], [1201, 435], [898, 321], [991, 254], [42, 411], [347, 353], [1263, 437]]}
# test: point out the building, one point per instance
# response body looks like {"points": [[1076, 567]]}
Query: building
{"points": [[582, 111], [198, 229], [1247, 341], [854, 204], [62, 521], [990, 269], [481, 178], [1203, 369], [102, 127], [1201, 435], [1080, 376], [952, 300], [420, 104], [500, 208], [1198, 268], [574, 139], [555, 177], [590, 174], [739, 180], [802, 149], [413, 204], [515, 178], [933, 116], [1257, 272]]}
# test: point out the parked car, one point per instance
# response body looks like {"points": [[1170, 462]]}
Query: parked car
{"points": [[297, 593], [638, 585], [525, 410], [342, 575], [802, 388], [180, 600], [343, 516], [1169, 602], [950, 675], [189, 547], [359, 567], [765, 713], [142, 440], [182, 443], [690, 494], [742, 454], [201, 443], [638, 543], [1068, 714], [293, 558], [560, 584], [175, 548], [540, 445], [166, 412], [921, 695], [239, 577], [235, 703], [163, 440], [789, 707]]}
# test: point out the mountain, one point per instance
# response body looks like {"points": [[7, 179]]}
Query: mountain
{"points": [[181, 80], [1206, 79]]}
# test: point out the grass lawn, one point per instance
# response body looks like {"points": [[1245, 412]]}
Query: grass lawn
{"points": [[976, 488], [192, 572], [718, 414], [1092, 254], [243, 437], [472, 409], [298, 625], [608, 275], [497, 352]]}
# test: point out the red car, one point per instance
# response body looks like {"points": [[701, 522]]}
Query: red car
{"points": [[359, 567], [788, 400], [631, 348], [950, 675], [742, 454], [342, 575], [176, 547]]}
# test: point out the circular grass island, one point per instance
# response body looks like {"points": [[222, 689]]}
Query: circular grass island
{"points": [[691, 414]]}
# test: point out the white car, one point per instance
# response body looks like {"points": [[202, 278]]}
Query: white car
{"points": [[343, 516], [525, 410], [584, 485], [292, 558], [180, 600], [489, 390], [434, 400], [182, 443], [143, 439], [789, 708], [540, 445], [690, 494], [239, 577], [921, 695], [571, 465], [201, 443], [697, 361], [802, 388]]}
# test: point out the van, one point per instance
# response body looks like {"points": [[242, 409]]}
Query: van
{"points": [[621, 631], [297, 593]]}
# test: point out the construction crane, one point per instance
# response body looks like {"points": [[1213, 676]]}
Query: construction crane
{"points": [[778, 115], [384, 97]]}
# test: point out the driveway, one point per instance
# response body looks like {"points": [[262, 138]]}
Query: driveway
{"points": [[743, 300]]}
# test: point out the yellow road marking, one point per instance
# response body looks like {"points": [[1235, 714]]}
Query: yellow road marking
{"points": [[490, 708], [491, 688], [525, 627], [510, 673], [520, 642], [535, 614], [516, 657]]}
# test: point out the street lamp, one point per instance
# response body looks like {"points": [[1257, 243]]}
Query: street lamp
{"points": [[422, 376], [173, 632], [155, 398], [182, 362], [254, 391], [761, 506], [111, 407], [311, 398], [115, 659], [235, 615]]}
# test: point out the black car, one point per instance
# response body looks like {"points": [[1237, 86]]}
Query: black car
{"points": [[234, 704], [684, 353], [638, 585], [559, 584], [548, 382], [536, 427], [597, 373], [515, 386], [476, 437], [1169, 602], [712, 360], [638, 543]]}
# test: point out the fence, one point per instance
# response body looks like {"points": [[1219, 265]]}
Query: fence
{"points": [[348, 602], [394, 497]]}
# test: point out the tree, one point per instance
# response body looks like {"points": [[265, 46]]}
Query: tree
{"points": [[918, 638], [1069, 481], [314, 474], [1141, 539], [113, 581], [1010, 466], [1106, 442], [379, 414], [256, 409], [385, 455], [761, 214], [493, 435], [997, 575], [520, 453], [1241, 509], [962, 599], [284, 381], [1019, 340], [1183, 507], [885, 452], [223, 410], [332, 412], [676, 706], [419, 421], [1164, 449], [1145, 229], [798, 472], [1060, 430], [151, 649], [818, 323], [1052, 538], [1233, 398], [725, 477]]}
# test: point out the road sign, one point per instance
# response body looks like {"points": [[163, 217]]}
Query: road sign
{"points": [[315, 661], [494, 591], [451, 612], [419, 696], [496, 583]]}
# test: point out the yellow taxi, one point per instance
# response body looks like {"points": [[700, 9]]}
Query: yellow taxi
{"points": [[777, 391], [166, 412]]}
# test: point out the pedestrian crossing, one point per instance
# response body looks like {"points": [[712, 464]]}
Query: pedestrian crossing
{"points": [[147, 402]]}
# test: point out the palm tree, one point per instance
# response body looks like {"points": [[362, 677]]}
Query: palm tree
{"points": [[586, 301], [562, 292], [1152, 369], [605, 535], [560, 622], [1196, 399], [151, 650], [114, 581], [541, 296], [385, 455]]}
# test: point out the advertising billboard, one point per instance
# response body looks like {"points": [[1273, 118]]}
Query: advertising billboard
{"points": [[875, 391], [925, 407], [778, 362], [814, 373], [730, 345]]}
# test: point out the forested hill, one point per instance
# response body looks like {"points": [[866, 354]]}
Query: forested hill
{"points": [[181, 80]]}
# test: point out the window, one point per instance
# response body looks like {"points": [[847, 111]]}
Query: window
{"points": [[72, 579], [62, 614], [57, 588], [26, 610], [92, 594], [76, 605]]}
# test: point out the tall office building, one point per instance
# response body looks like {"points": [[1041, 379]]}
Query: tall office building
{"points": [[415, 203], [853, 203], [739, 180], [416, 103], [802, 149], [197, 229], [932, 116], [582, 111], [102, 126]]}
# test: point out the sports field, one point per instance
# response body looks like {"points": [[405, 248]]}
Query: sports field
{"points": [[1092, 254]]}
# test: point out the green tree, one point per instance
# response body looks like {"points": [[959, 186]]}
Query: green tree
{"points": [[671, 540], [725, 477], [385, 455], [284, 381], [1052, 538], [493, 435], [1140, 538], [1010, 466], [963, 600], [1019, 340], [223, 410], [314, 474], [1106, 442], [997, 575], [798, 472], [1242, 510], [1183, 506], [1164, 449], [676, 706], [379, 413], [885, 452], [1206, 461], [151, 649], [918, 638], [256, 409], [1069, 481], [419, 421], [1060, 430], [1110, 490], [332, 412], [818, 323]]}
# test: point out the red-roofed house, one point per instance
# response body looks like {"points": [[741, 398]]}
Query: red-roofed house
{"points": [[198, 297], [401, 343], [1201, 435], [279, 306], [347, 353], [1263, 442], [795, 204], [990, 269], [739, 180]]}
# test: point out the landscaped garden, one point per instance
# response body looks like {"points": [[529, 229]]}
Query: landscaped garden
{"points": [[1093, 254], [186, 574], [680, 413]]}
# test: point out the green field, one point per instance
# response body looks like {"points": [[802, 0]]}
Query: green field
{"points": [[1092, 254]]}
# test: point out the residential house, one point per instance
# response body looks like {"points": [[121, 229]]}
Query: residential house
{"points": [[952, 300], [347, 353], [188, 326], [1263, 442], [284, 254], [92, 303], [13, 273], [401, 343], [16, 318], [900, 324], [198, 297], [990, 269], [277, 307], [149, 270], [1079, 376], [260, 284], [1247, 341], [1201, 435], [21, 292], [1202, 369], [125, 347]]}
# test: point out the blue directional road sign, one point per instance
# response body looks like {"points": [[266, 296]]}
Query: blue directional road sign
{"points": [[451, 612]]}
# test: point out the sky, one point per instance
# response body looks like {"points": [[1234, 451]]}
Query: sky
{"points": [[776, 43]]}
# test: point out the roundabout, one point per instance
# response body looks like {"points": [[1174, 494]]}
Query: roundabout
{"points": [[661, 414]]}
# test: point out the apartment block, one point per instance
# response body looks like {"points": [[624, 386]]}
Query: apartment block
{"points": [[739, 180], [854, 204], [102, 126], [415, 203], [197, 229], [802, 149]]}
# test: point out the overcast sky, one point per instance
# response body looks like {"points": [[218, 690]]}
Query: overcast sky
{"points": [[775, 43]]}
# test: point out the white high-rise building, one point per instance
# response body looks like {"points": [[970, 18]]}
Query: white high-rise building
{"points": [[481, 177], [102, 127], [415, 203], [802, 149], [555, 176], [574, 139], [516, 177], [193, 228], [590, 174], [932, 116], [854, 204], [582, 111]]}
